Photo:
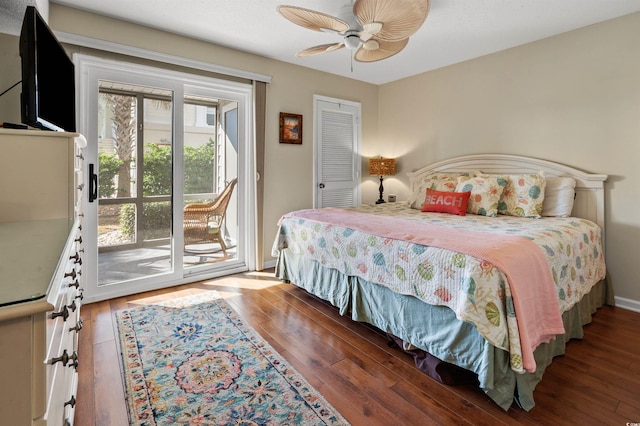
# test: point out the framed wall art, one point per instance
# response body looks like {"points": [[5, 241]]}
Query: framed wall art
{"points": [[290, 128]]}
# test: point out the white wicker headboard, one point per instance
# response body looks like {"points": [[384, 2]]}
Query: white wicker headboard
{"points": [[589, 201]]}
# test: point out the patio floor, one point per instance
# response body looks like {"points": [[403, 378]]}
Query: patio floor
{"points": [[125, 265]]}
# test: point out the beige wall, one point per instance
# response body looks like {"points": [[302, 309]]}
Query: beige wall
{"points": [[10, 73], [573, 98]]}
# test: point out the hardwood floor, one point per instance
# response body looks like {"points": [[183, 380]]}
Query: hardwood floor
{"points": [[597, 381]]}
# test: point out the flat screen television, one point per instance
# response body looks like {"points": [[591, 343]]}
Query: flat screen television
{"points": [[48, 77]]}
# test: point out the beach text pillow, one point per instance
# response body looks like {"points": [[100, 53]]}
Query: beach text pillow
{"points": [[440, 181], [446, 202]]}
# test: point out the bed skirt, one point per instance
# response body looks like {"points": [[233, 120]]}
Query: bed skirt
{"points": [[435, 330]]}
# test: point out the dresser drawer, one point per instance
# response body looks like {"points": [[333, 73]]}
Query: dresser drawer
{"points": [[70, 404], [62, 381], [65, 323]]}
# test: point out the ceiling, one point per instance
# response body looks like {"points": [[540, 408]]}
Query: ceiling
{"points": [[455, 30]]}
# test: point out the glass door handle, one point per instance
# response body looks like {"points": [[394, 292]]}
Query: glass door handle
{"points": [[93, 184]]}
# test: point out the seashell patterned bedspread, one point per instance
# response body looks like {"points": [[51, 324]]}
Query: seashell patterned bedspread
{"points": [[476, 290]]}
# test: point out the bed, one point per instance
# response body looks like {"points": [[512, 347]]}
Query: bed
{"points": [[493, 264]]}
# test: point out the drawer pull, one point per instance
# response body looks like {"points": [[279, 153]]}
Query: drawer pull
{"points": [[64, 313], [78, 326], [79, 239], [81, 186], [80, 294], [73, 306], [64, 359], [71, 402], [76, 258], [71, 274], [75, 284], [74, 360]]}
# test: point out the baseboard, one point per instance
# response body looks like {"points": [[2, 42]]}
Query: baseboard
{"points": [[630, 304], [267, 264]]}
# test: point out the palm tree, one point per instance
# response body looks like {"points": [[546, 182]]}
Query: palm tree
{"points": [[123, 113]]}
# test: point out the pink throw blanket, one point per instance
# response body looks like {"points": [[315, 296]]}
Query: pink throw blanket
{"points": [[520, 259]]}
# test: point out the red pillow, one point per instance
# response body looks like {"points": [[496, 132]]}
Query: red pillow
{"points": [[446, 202]]}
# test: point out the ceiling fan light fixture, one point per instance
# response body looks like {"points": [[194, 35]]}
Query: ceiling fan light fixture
{"points": [[352, 41]]}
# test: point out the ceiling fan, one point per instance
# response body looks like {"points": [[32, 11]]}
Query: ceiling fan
{"points": [[378, 29]]}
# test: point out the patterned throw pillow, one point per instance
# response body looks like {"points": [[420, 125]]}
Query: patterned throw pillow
{"points": [[485, 194], [440, 181], [446, 202], [522, 195]]}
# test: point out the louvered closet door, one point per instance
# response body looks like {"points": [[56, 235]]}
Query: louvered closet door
{"points": [[337, 152]]}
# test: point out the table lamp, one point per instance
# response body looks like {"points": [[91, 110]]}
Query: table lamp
{"points": [[382, 167]]}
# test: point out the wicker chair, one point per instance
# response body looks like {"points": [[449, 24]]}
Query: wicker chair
{"points": [[203, 221]]}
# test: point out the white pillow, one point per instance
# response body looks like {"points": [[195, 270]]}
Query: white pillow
{"points": [[559, 194]]}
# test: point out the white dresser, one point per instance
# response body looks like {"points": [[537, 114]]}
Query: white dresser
{"points": [[40, 275]]}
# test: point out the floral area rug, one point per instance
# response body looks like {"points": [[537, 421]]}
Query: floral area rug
{"points": [[194, 361]]}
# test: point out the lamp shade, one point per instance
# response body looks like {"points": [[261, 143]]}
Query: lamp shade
{"points": [[382, 166]]}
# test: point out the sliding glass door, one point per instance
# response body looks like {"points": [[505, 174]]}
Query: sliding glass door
{"points": [[210, 222], [171, 166], [135, 169]]}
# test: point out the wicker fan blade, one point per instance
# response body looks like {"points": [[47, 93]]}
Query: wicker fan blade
{"points": [[312, 20], [370, 29], [323, 48], [400, 18], [369, 53]]}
